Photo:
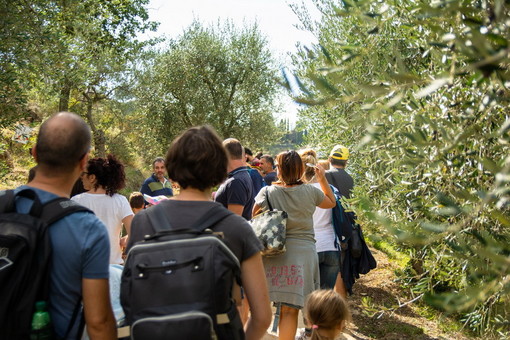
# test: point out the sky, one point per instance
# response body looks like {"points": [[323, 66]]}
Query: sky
{"points": [[275, 18]]}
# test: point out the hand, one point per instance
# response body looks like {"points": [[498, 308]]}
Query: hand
{"points": [[320, 171], [123, 242]]}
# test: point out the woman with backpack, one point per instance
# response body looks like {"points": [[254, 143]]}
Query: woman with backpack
{"points": [[294, 274], [197, 161]]}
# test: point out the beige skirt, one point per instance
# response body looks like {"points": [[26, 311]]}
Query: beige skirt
{"points": [[294, 274]]}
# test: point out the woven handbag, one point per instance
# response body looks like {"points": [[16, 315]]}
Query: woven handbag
{"points": [[271, 229]]}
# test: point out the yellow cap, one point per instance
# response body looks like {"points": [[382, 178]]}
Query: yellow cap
{"points": [[339, 152]]}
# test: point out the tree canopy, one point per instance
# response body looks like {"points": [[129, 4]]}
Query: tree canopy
{"points": [[220, 75], [419, 91]]}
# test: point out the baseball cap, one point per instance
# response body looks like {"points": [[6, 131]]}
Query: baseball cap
{"points": [[339, 152]]}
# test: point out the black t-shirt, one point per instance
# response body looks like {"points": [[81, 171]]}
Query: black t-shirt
{"points": [[340, 179], [270, 177], [237, 189]]}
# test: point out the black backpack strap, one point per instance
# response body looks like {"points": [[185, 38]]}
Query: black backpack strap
{"points": [[211, 217], [76, 312], [49, 212], [60, 207], [6, 201], [160, 221], [268, 202]]}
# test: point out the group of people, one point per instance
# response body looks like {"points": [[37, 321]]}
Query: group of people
{"points": [[208, 172]]}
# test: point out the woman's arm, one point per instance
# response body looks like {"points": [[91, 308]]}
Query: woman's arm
{"points": [[329, 200], [256, 210], [127, 224], [255, 288]]}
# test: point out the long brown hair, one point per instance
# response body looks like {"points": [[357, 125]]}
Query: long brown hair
{"points": [[290, 168], [325, 309]]}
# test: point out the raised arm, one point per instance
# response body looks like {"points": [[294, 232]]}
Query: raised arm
{"points": [[329, 200]]}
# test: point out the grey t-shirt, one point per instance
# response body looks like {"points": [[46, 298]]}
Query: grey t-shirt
{"points": [[299, 202], [238, 234]]}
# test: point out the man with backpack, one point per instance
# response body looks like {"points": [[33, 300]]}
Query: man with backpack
{"points": [[76, 241], [337, 176]]}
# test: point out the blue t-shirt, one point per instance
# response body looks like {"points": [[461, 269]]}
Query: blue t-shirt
{"points": [[270, 178], [258, 181], [80, 249], [237, 189]]}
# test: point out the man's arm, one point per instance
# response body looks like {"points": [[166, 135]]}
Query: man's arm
{"points": [[98, 310]]}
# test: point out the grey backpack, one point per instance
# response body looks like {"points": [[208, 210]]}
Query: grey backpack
{"points": [[177, 283]]}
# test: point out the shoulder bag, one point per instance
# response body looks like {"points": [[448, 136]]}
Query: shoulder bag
{"points": [[271, 228]]}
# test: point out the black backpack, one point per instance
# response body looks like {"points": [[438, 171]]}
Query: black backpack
{"points": [[177, 284], [25, 253]]}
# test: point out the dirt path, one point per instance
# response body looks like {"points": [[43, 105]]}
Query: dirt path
{"points": [[375, 312]]}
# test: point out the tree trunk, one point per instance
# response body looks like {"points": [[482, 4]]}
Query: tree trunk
{"points": [[98, 134], [65, 94]]}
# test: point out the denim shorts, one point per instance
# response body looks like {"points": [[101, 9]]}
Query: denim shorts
{"points": [[329, 266]]}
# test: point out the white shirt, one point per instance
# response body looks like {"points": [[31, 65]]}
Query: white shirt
{"points": [[323, 228], [111, 210]]}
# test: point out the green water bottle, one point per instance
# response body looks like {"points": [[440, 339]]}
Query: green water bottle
{"points": [[41, 325]]}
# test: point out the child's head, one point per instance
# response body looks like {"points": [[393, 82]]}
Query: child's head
{"points": [[327, 313], [136, 201]]}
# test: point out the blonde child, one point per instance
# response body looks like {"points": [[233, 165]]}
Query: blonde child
{"points": [[326, 313]]}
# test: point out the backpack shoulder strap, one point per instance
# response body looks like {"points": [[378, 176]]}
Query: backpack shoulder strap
{"points": [[158, 220], [60, 207], [161, 222], [6, 201], [211, 217], [331, 179]]}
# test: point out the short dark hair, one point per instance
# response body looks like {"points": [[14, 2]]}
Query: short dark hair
{"points": [[157, 160], [109, 173], [136, 200], [290, 167], [338, 162], [234, 148], [248, 151], [268, 158], [197, 159], [63, 140]]}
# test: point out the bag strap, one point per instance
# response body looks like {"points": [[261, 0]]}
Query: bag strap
{"points": [[6, 201], [160, 220], [76, 311], [49, 212], [268, 202], [211, 217], [59, 208]]}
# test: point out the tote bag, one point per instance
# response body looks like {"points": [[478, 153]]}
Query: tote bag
{"points": [[271, 228]]}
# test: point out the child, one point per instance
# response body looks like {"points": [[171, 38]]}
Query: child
{"points": [[326, 313], [136, 202]]}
